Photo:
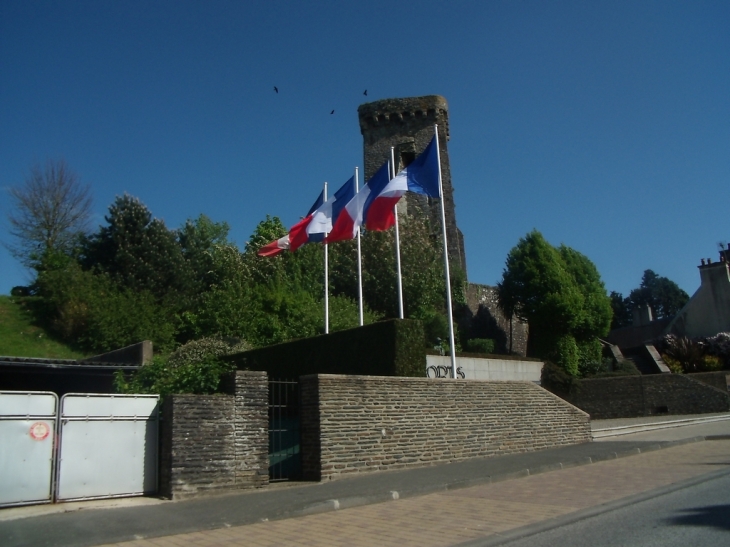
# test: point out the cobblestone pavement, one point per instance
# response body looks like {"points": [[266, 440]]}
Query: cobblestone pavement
{"points": [[479, 512]]}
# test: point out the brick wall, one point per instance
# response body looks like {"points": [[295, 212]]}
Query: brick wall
{"points": [[632, 396], [353, 424], [210, 443]]}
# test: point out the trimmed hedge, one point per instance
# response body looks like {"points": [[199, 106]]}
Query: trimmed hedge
{"points": [[386, 348]]}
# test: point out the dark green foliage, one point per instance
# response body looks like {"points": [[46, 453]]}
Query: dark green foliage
{"points": [[662, 295], [386, 348], [607, 368], [136, 251], [554, 378], [195, 367], [559, 292], [621, 310], [98, 316], [421, 266], [480, 345]]}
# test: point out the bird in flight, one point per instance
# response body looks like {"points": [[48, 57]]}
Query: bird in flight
{"points": [[365, 92], [332, 112], [276, 89]]}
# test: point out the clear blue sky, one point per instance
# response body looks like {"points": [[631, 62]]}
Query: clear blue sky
{"points": [[603, 124]]}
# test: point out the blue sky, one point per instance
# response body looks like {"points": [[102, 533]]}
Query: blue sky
{"points": [[604, 125]]}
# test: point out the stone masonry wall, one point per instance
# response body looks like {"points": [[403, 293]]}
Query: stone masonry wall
{"points": [[719, 379], [484, 314], [212, 443], [355, 424], [407, 124], [633, 396]]}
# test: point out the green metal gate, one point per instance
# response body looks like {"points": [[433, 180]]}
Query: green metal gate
{"points": [[284, 453]]}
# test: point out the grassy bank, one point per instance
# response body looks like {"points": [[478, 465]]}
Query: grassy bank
{"points": [[19, 337]]}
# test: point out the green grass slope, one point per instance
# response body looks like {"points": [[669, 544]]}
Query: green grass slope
{"points": [[20, 338]]}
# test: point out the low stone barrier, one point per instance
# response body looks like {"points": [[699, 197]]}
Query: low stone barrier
{"points": [[634, 396], [355, 424], [213, 443]]}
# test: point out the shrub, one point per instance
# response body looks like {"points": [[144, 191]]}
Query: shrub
{"points": [[555, 379], [195, 367], [480, 345]]}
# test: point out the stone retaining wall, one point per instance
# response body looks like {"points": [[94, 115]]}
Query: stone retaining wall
{"points": [[633, 396], [354, 424], [210, 443], [719, 379]]}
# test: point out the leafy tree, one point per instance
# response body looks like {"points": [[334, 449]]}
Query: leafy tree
{"points": [[92, 313], [421, 269], [558, 291], [135, 250], [200, 240], [621, 310], [663, 295], [49, 212]]}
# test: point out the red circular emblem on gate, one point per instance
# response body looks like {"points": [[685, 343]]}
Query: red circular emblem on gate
{"points": [[39, 431]]}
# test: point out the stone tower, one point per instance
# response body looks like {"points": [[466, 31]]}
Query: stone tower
{"points": [[407, 125]]}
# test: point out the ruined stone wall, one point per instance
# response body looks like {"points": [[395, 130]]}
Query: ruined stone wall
{"points": [[407, 125], [485, 317], [356, 424]]}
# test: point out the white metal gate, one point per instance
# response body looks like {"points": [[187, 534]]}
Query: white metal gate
{"points": [[99, 446], [108, 446], [27, 435]]}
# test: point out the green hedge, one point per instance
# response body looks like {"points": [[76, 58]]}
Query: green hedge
{"points": [[386, 348]]}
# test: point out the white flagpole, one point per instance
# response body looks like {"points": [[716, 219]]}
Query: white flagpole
{"points": [[326, 280], [446, 260], [359, 257], [397, 240]]}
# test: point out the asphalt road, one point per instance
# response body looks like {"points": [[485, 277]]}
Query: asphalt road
{"points": [[695, 513]]}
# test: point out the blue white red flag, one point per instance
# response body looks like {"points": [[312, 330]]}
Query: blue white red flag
{"points": [[422, 175], [326, 215], [275, 247], [381, 202], [351, 217], [298, 235]]}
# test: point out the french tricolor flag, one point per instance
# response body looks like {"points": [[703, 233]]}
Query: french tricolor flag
{"points": [[355, 211], [275, 247]]}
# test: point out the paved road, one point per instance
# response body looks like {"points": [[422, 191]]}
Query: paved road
{"points": [[478, 500], [694, 513]]}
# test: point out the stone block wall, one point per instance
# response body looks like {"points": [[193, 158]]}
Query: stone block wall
{"points": [[633, 396], [355, 424], [719, 379], [485, 315], [212, 443]]}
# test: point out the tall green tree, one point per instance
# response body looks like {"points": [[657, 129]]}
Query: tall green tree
{"points": [[558, 291], [137, 251], [662, 295]]}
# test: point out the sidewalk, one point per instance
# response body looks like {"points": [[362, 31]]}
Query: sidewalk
{"points": [[440, 505]]}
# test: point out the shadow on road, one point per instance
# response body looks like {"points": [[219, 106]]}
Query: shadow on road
{"points": [[715, 516]]}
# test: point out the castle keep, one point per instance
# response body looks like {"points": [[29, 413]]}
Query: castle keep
{"points": [[407, 126]]}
